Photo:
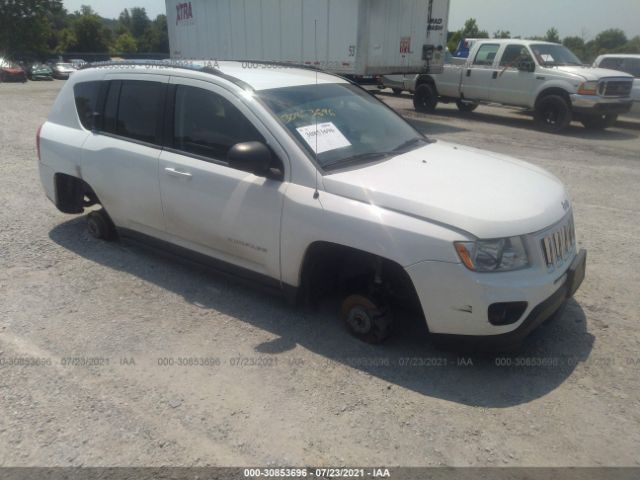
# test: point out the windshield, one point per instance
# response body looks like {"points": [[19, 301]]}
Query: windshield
{"points": [[553, 55], [353, 127]]}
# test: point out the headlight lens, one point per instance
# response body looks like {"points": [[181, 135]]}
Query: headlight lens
{"points": [[500, 255], [588, 88]]}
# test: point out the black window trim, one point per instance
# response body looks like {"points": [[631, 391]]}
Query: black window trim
{"points": [[168, 140], [102, 100]]}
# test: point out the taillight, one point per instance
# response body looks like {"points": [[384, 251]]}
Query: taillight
{"points": [[38, 141]]}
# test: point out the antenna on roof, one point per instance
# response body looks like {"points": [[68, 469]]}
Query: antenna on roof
{"points": [[316, 193]]}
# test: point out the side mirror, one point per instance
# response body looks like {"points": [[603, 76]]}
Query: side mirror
{"points": [[527, 66], [252, 157]]}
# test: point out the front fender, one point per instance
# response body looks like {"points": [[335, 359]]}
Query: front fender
{"points": [[403, 239]]}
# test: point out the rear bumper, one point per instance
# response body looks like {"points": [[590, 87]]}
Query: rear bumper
{"points": [[595, 105]]}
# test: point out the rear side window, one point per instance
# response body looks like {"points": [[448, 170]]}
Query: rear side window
{"points": [[486, 54], [134, 109], [209, 125], [86, 95]]}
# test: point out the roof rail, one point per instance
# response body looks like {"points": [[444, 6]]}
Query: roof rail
{"points": [[193, 65]]}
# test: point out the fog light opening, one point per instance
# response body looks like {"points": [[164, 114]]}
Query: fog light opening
{"points": [[506, 313]]}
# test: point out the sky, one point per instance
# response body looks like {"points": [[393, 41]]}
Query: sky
{"points": [[584, 18]]}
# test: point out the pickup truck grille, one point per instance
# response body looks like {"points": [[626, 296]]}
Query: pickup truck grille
{"points": [[615, 88], [557, 245]]}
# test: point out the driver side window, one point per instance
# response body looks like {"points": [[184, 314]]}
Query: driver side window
{"points": [[208, 125], [514, 54]]}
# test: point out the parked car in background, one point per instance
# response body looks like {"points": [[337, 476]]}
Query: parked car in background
{"points": [[11, 72], [77, 63], [542, 76], [40, 71], [628, 63], [62, 71]]}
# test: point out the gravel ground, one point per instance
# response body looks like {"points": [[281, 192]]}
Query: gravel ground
{"points": [[100, 325]]}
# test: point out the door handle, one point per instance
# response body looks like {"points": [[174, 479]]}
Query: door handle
{"points": [[468, 72], [177, 173], [495, 74]]}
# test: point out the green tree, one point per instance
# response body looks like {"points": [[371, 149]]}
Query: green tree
{"points": [[552, 35], [502, 34], [471, 30], [125, 43], [610, 40], [89, 32], [632, 46], [124, 22], [139, 22], [25, 25], [576, 45], [156, 38]]}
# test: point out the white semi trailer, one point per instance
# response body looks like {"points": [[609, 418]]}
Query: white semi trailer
{"points": [[349, 37]]}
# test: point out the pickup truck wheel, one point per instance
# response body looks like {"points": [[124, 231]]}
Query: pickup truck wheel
{"points": [[466, 106], [553, 114], [365, 320], [397, 91], [100, 226], [425, 99], [599, 122]]}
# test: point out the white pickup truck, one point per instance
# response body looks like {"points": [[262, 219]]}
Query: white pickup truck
{"points": [[544, 77]]}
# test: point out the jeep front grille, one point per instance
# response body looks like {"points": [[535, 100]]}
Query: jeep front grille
{"points": [[557, 245]]}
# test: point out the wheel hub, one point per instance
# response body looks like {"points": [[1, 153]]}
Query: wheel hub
{"points": [[359, 320]]}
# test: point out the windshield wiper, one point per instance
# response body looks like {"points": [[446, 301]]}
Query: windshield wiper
{"points": [[360, 158], [409, 143]]}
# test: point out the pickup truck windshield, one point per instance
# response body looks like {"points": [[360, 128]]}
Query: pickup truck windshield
{"points": [[554, 55], [346, 124]]}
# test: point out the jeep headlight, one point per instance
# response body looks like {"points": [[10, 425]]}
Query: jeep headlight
{"points": [[501, 255]]}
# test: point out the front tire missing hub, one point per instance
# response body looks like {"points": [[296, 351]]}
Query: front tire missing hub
{"points": [[365, 320]]}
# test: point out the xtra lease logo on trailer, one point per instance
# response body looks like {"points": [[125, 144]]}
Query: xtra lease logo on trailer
{"points": [[184, 14]]}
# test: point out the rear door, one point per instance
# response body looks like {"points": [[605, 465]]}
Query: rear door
{"points": [[511, 85], [479, 72], [210, 207], [120, 158]]}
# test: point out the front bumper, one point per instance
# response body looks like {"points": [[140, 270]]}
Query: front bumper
{"points": [[596, 105], [456, 302]]}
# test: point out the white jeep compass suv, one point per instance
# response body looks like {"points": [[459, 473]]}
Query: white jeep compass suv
{"points": [[309, 184]]}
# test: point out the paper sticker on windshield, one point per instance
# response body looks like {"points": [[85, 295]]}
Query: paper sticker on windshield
{"points": [[329, 137]]}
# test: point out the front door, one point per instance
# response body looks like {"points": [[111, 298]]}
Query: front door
{"points": [[513, 85], [210, 207]]}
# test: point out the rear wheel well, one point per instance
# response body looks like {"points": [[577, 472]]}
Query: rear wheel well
{"points": [[553, 91], [331, 268], [73, 194]]}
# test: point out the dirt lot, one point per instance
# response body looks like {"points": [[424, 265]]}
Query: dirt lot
{"points": [[107, 331]]}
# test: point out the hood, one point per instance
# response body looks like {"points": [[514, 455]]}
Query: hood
{"points": [[589, 73], [485, 194]]}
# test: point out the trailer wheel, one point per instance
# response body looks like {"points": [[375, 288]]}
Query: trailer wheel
{"points": [[552, 114], [365, 320], [100, 226], [599, 122], [425, 99]]}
